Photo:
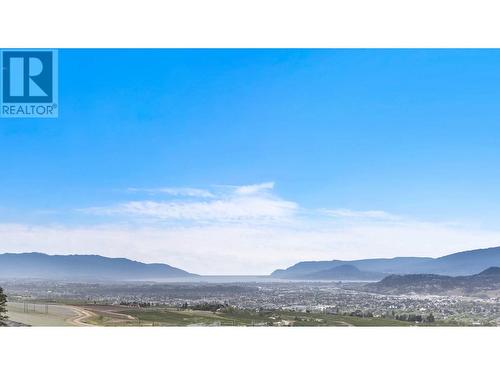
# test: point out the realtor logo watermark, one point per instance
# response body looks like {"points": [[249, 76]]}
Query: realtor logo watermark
{"points": [[29, 86]]}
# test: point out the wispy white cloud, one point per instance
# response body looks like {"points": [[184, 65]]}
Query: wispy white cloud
{"points": [[175, 191], [371, 214], [240, 203], [231, 209], [254, 189]]}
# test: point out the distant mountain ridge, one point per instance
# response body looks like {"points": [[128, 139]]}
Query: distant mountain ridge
{"points": [[461, 263], [78, 267], [345, 272], [486, 282]]}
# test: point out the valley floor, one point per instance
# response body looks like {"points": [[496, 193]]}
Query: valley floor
{"points": [[39, 314], [50, 303]]}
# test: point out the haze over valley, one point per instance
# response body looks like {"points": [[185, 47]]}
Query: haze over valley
{"points": [[95, 290]]}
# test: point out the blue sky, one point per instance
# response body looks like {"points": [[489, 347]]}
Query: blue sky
{"points": [[327, 141]]}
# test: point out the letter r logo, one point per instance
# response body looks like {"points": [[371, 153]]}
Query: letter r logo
{"points": [[27, 76]]}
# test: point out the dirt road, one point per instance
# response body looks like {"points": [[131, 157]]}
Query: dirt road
{"points": [[82, 316]]}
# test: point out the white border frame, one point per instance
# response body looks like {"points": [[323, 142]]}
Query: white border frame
{"points": [[256, 23], [249, 23]]}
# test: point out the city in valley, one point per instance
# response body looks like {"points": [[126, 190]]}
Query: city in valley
{"points": [[237, 303]]}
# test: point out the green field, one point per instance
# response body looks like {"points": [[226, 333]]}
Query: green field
{"points": [[173, 317]]}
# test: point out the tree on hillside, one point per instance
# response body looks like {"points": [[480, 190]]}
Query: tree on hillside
{"points": [[3, 307], [431, 318]]}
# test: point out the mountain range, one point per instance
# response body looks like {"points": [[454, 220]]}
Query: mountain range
{"points": [[82, 267], [457, 264], [95, 267]]}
